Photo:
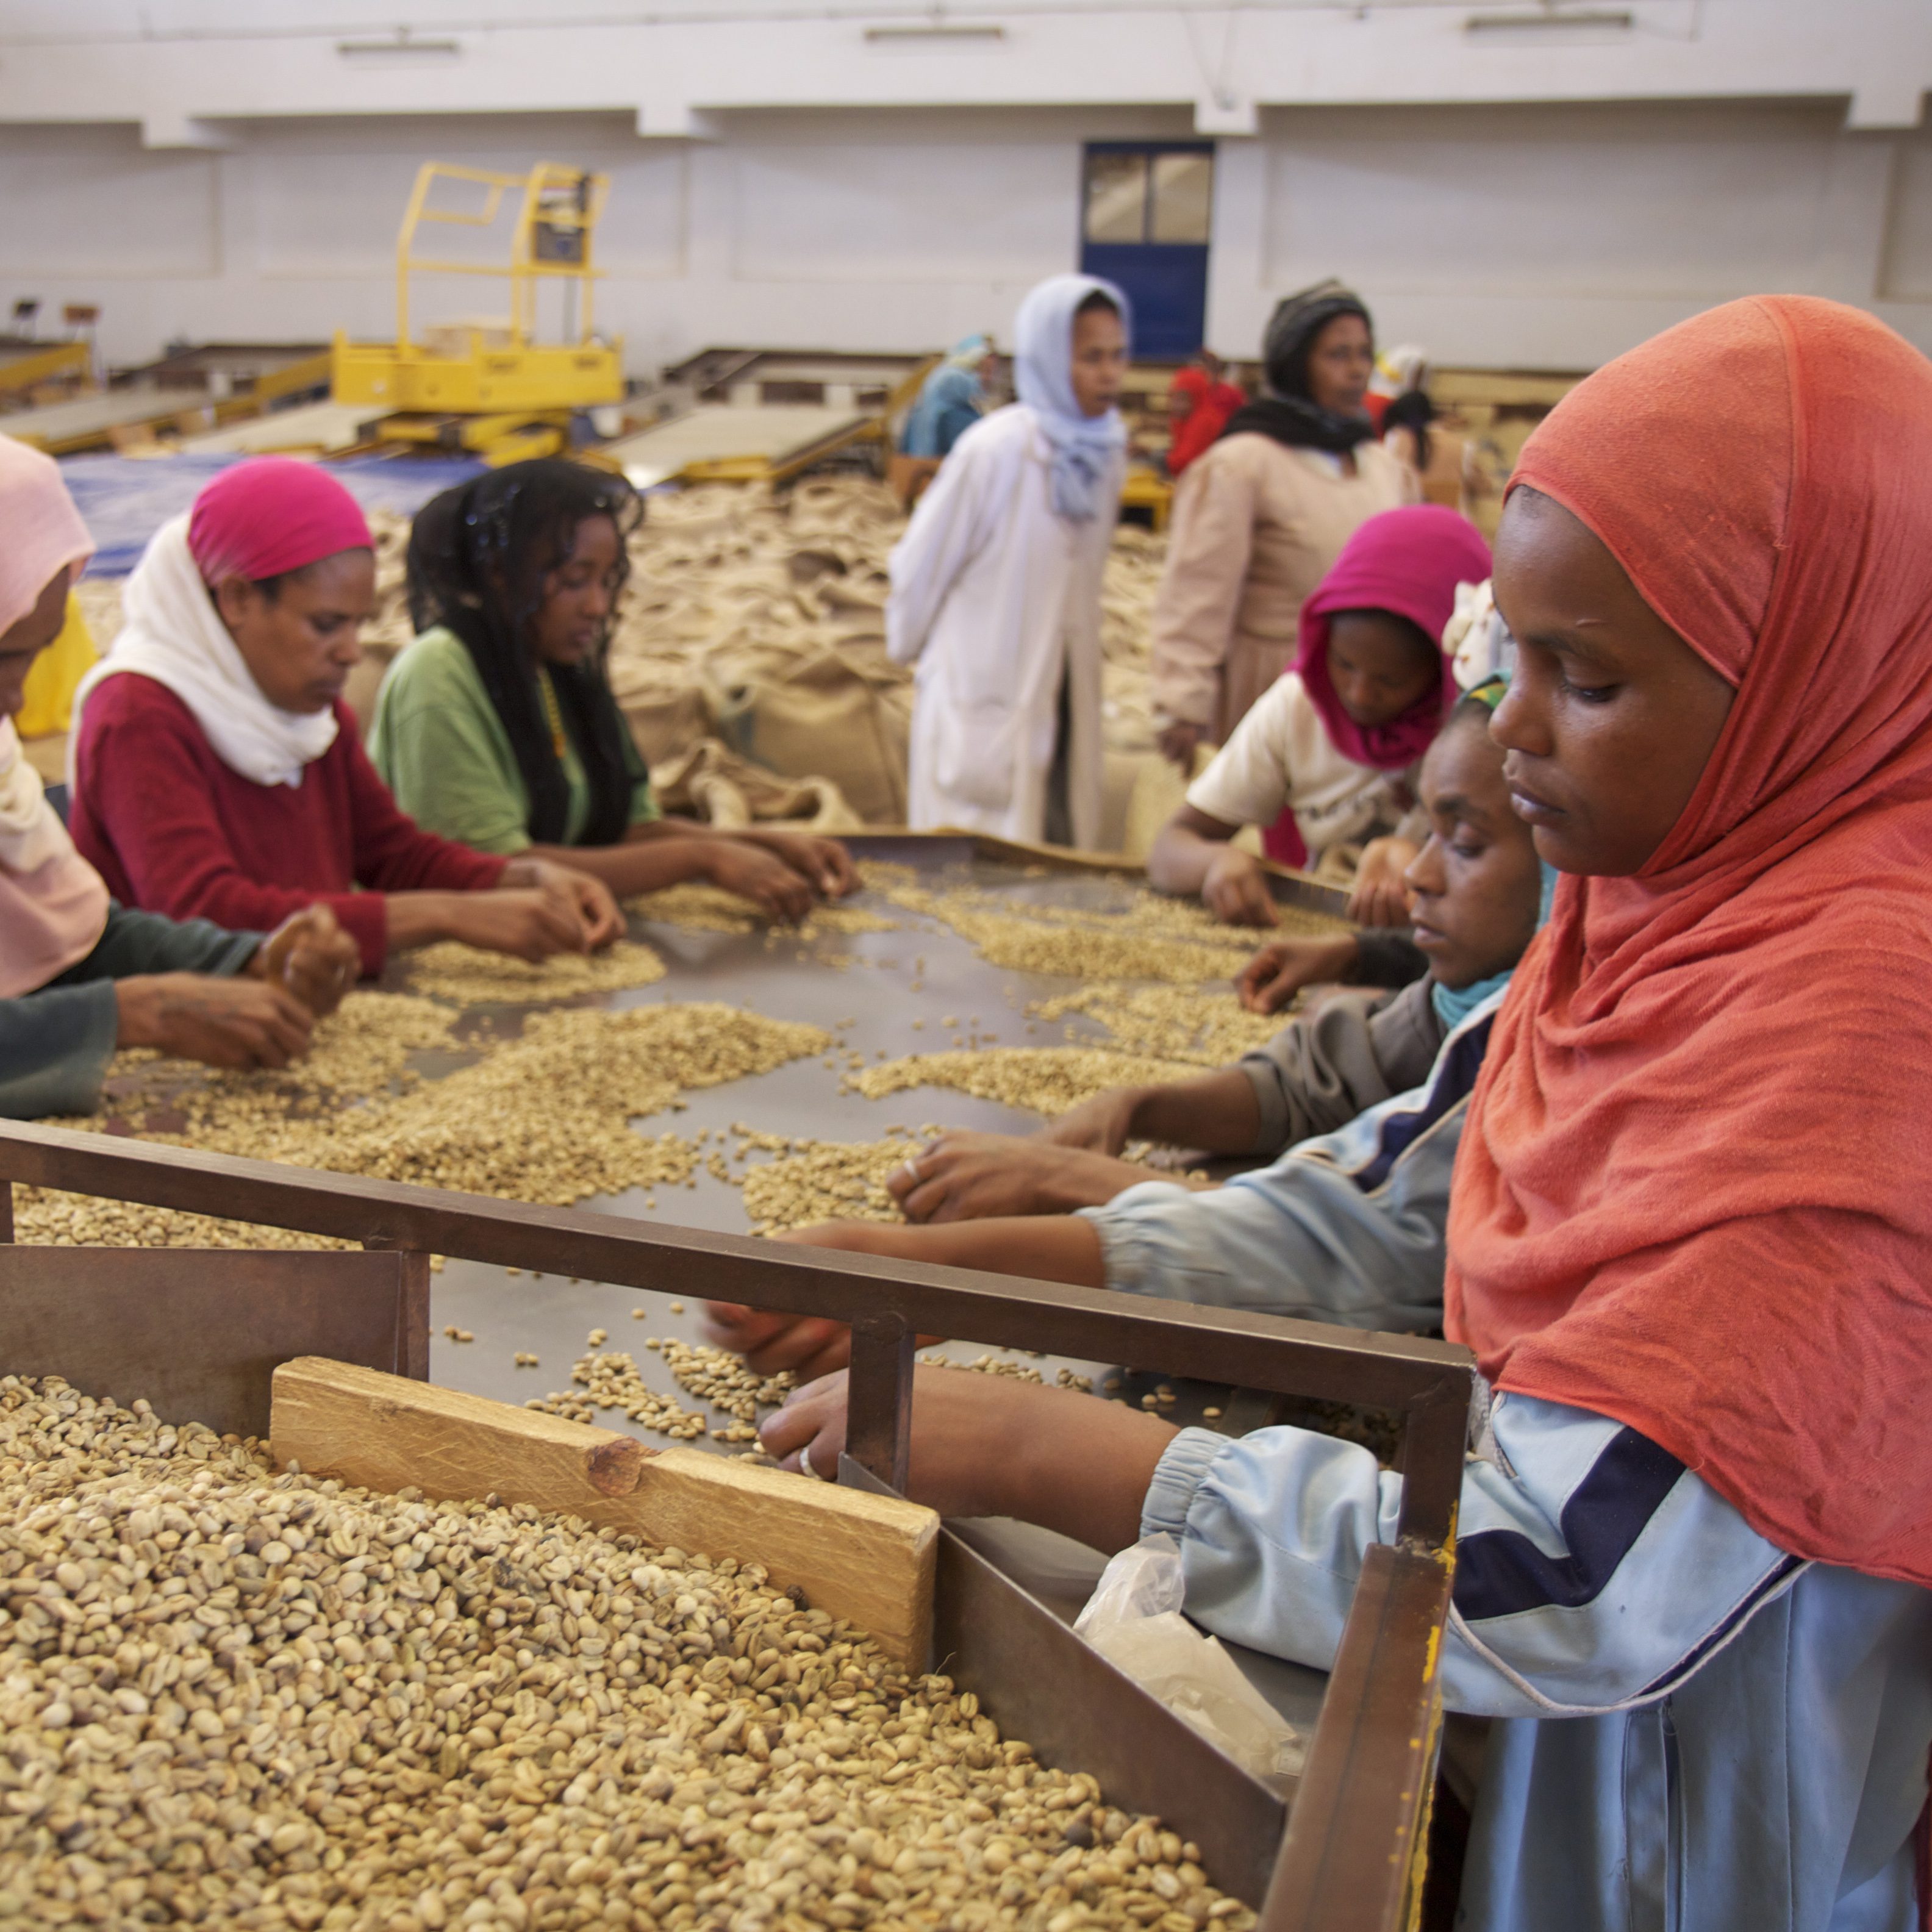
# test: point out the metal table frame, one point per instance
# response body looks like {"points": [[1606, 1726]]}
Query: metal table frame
{"points": [[1351, 1858]]}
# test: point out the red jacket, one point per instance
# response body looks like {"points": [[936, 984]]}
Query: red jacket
{"points": [[1214, 404], [174, 830]]}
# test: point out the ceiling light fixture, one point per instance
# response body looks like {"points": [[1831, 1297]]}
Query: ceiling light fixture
{"points": [[404, 48], [1549, 24], [927, 36]]}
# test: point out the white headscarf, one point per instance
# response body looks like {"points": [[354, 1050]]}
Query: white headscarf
{"points": [[1084, 446], [173, 633]]}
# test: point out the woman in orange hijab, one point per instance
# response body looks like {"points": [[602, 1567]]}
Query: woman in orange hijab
{"points": [[1691, 1233]]}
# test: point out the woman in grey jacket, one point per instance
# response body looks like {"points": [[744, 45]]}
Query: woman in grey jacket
{"points": [[1347, 1227]]}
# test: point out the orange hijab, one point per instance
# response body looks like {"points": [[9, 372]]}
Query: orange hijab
{"points": [[1692, 1193]]}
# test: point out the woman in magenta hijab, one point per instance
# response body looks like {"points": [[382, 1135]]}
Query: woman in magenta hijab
{"points": [[217, 772], [1326, 758]]}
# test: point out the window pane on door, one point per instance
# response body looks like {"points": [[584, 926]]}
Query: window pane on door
{"points": [[1183, 196], [1116, 197]]}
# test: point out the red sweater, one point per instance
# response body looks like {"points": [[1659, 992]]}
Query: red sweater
{"points": [[174, 830]]}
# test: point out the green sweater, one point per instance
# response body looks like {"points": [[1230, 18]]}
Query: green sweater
{"points": [[442, 750]]}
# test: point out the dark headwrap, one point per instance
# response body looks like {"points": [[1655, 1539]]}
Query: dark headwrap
{"points": [[1413, 411], [477, 559], [1288, 412]]}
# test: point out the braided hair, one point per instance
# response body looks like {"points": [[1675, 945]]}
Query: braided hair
{"points": [[479, 556]]}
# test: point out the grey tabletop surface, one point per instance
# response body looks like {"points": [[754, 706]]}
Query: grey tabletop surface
{"points": [[861, 987]]}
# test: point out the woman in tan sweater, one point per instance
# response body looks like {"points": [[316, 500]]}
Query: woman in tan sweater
{"points": [[1259, 519]]}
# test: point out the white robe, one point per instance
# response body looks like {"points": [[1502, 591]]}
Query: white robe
{"points": [[992, 596]]}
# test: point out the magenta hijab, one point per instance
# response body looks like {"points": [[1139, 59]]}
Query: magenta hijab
{"points": [[1407, 561]]}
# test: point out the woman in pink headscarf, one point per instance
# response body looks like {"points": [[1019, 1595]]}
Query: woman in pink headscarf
{"points": [[217, 772], [80, 976], [1327, 756]]}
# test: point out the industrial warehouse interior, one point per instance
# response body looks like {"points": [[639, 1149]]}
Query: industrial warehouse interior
{"points": [[958, 966]]}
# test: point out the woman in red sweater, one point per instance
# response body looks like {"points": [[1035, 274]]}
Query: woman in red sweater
{"points": [[217, 772]]}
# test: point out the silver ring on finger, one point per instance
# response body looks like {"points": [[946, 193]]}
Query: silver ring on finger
{"points": [[805, 1463], [913, 1168]]}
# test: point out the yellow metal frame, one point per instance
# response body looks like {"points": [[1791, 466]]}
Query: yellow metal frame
{"points": [[766, 469], [556, 199], [561, 206], [57, 359], [311, 372], [905, 393], [1144, 489]]}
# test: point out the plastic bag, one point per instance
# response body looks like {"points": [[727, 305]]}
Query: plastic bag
{"points": [[1133, 1619]]}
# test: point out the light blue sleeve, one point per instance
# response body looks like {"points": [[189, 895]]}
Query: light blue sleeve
{"points": [[1594, 1571], [1297, 1238], [1349, 1227]]}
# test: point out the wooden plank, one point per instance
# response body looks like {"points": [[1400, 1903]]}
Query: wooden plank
{"points": [[333, 428], [1284, 1355], [60, 428], [1453, 388], [24, 369], [1353, 1859], [868, 1558], [1298, 888]]}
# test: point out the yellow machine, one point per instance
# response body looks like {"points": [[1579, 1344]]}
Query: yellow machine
{"points": [[520, 393]]}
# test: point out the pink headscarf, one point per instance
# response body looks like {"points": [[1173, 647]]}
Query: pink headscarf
{"points": [[52, 903], [1407, 561], [270, 514], [40, 531]]}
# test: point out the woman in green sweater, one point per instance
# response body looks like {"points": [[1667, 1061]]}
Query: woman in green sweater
{"points": [[497, 727]]}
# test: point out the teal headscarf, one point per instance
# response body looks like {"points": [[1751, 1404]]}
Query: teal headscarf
{"points": [[1453, 1005]]}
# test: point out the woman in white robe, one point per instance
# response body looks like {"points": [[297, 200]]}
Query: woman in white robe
{"points": [[996, 585]]}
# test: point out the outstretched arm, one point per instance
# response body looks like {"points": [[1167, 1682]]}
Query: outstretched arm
{"points": [[1593, 1569], [1036, 1250], [1192, 854]]}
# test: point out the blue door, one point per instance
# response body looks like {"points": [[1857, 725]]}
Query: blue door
{"points": [[1146, 210]]}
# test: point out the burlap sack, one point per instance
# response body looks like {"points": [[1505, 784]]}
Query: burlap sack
{"points": [[389, 630], [667, 702], [813, 708], [711, 782], [365, 680]]}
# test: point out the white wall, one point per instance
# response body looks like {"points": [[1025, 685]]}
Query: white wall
{"points": [[180, 67], [213, 168], [1557, 236], [886, 230]]}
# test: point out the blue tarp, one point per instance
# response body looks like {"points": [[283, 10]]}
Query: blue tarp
{"points": [[124, 500]]}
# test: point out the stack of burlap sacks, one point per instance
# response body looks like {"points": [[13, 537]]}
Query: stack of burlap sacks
{"points": [[755, 624], [750, 657]]}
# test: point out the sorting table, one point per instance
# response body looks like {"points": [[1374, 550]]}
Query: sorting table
{"points": [[1350, 1857], [880, 983]]}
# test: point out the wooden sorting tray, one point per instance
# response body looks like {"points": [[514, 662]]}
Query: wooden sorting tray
{"points": [[932, 851], [214, 1328]]}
